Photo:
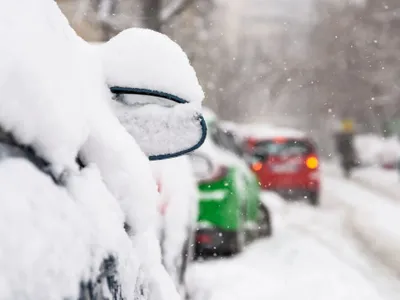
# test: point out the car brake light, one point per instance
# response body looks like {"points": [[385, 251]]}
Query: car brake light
{"points": [[280, 140], [203, 238], [312, 162], [257, 166]]}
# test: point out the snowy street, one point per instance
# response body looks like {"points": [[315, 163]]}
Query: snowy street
{"points": [[141, 142], [345, 249]]}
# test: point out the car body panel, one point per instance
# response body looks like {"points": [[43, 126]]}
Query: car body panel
{"points": [[230, 203], [220, 202], [280, 171]]}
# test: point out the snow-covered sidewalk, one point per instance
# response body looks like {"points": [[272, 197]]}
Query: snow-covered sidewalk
{"points": [[385, 182], [312, 255], [375, 218]]}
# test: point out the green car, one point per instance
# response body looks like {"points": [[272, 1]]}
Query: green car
{"points": [[230, 211]]}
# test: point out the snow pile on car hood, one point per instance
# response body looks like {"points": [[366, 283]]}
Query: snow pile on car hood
{"points": [[164, 113], [36, 96]]}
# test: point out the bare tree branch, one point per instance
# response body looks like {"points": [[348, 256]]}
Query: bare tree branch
{"points": [[173, 10]]}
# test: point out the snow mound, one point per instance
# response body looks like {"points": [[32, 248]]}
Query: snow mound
{"points": [[380, 232], [161, 64], [375, 150], [34, 85], [37, 231], [51, 242], [368, 147]]}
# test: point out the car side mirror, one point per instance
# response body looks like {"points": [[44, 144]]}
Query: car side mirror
{"points": [[156, 91], [163, 125]]}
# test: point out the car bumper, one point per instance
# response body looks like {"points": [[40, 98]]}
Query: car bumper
{"points": [[306, 185], [295, 192], [214, 241]]}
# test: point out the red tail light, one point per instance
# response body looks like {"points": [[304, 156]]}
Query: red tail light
{"points": [[280, 140], [312, 162], [203, 238], [257, 166]]}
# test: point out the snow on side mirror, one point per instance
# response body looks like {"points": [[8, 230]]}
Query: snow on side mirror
{"points": [[156, 92]]}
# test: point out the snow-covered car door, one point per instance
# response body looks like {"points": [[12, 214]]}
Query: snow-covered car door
{"points": [[177, 209]]}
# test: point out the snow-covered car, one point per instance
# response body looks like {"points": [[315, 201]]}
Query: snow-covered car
{"points": [[69, 169], [62, 235], [177, 214], [230, 210], [286, 161], [376, 150]]}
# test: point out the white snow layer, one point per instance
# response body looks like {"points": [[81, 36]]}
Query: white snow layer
{"points": [[160, 130], [45, 248], [375, 214], [178, 208], [375, 150], [267, 131], [42, 89], [220, 156], [160, 63]]}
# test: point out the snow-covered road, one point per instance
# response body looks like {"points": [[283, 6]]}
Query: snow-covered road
{"points": [[344, 249]]}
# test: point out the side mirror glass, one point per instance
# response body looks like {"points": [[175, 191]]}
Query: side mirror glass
{"points": [[163, 125]]}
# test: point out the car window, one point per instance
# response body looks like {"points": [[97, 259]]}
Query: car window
{"points": [[285, 148], [224, 139]]}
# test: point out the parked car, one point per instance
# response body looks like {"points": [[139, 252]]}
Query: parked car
{"points": [[285, 161], [230, 211], [177, 214], [64, 168]]}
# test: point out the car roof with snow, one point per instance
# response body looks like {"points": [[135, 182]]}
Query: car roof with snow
{"points": [[268, 131]]}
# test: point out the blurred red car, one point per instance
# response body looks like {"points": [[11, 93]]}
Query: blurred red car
{"points": [[287, 165]]}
